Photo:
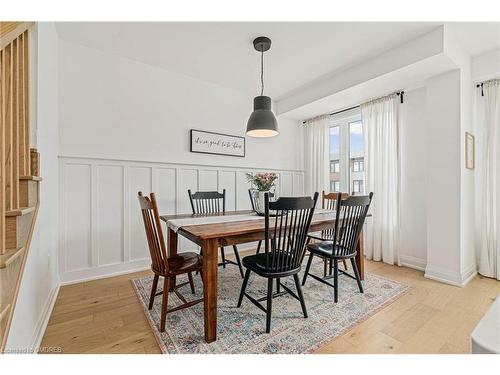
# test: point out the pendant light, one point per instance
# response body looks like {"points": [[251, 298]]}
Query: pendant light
{"points": [[262, 122]]}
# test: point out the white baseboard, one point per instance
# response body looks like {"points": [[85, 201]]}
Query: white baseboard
{"points": [[446, 276], [412, 262], [41, 325], [80, 276], [105, 272], [468, 274]]}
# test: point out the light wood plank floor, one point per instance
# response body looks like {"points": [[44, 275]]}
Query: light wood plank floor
{"points": [[104, 316]]}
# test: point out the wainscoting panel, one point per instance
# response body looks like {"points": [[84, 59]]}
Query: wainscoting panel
{"points": [[227, 180], [139, 179], [109, 220], [208, 180], [166, 184], [103, 233], [298, 183], [286, 184], [242, 200], [77, 217], [188, 179]]}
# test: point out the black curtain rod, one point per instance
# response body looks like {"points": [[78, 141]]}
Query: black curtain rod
{"points": [[342, 110], [480, 85], [399, 93]]}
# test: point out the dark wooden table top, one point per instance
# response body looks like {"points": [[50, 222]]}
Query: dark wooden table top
{"points": [[235, 228], [188, 216]]}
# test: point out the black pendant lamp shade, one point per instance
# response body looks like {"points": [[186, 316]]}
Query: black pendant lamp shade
{"points": [[262, 122]]}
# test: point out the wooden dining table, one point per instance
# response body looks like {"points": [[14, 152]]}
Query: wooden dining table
{"points": [[211, 236]]}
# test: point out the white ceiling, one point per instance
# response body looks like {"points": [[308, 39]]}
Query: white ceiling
{"points": [[477, 37], [222, 53]]}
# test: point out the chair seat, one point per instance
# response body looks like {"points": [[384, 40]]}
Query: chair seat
{"points": [[257, 263], [184, 262], [326, 249]]}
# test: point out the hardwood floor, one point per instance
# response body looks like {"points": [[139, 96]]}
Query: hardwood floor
{"points": [[104, 316]]}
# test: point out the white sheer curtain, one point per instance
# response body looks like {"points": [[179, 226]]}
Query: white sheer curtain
{"points": [[381, 138], [316, 153], [487, 115]]}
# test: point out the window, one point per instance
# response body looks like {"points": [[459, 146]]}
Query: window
{"points": [[357, 186], [347, 163], [334, 166], [358, 165], [334, 186], [356, 156]]}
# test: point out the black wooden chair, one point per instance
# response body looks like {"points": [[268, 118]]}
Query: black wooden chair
{"points": [[210, 202], [253, 201], [328, 202], [350, 217], [284, 243]]}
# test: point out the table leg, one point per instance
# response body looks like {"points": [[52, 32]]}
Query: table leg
{"points": [[210, 260], [360, 255], [172, 251]]}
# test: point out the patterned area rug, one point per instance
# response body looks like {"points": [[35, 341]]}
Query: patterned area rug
{"points": [[242, 330]]}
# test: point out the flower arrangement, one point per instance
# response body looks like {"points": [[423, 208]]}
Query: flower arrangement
{"points": [[262, 181]]}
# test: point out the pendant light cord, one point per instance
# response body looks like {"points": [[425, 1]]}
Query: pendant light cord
{"points": [[262, 71]]}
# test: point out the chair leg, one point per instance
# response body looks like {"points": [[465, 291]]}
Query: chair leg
{"points": [[238, 260], [278, 287], [325, 267], [335, 280], [356, 273], [243, 287], [307, 268], [164, 303], [191, 282], [345, 264], [258, 247], [201, 253], [153, 291], [300, 295], [223, 257], [269, 304]]}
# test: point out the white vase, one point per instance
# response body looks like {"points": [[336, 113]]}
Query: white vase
{"points": [[260, 201]]}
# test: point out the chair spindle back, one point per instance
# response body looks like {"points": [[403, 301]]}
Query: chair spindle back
{"points": [[285, 238], [329, 202], [154, 233], [350, 217], [207, 202]]}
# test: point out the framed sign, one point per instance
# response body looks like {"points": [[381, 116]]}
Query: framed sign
{"points": [[215, 143], [469, 151]]}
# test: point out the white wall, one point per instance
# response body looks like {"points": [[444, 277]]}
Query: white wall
{"points": [[462, 59], [444, 153], [115, 108], [124, 127], [435, 206], [413, 147], [40, 280], [486, 66], [440, 180], [436, 229], [468, 267]]}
